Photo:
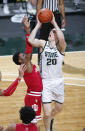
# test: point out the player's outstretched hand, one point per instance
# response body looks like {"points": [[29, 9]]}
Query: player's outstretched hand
{"points": [[26, 24], [22, 69]]}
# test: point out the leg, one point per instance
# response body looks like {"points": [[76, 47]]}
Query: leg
{"points": [[56, 109], [58, 97], [47, 116]]}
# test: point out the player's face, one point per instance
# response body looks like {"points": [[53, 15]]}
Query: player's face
{"points": [[52, 35], [22, 58]]}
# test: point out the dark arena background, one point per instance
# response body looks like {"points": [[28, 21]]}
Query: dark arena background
{"points": [[12, 39]]}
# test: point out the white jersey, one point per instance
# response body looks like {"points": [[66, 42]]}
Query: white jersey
{"points": [[51, 63]]}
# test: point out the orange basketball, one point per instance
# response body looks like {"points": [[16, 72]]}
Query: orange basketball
{"points": [[45, 15]]}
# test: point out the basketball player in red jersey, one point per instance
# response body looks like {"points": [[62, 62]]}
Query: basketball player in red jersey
{"points": [[27, 114], [10, 90], [31, 76]]}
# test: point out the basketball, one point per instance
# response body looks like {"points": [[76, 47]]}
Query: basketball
{"points": [[45, 15]]}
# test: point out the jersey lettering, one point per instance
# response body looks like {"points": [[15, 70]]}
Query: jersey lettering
{"points": [[51, 61], [51, 55]]}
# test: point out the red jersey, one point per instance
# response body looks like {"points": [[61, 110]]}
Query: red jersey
{"points": [[33, 80], [26, 127]]}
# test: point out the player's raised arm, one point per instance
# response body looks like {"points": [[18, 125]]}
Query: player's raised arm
{"points": [[26, 25], [10, 90], [32, 40], [62, 44], [28, 50]]}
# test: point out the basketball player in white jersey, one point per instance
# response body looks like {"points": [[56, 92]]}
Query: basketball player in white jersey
{"points": [[57, 7], [52, 55]]}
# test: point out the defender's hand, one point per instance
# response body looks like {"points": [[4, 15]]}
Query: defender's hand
{"points": [[22, 69], [26, 25]]}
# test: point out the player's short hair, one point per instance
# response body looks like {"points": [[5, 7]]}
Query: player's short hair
{"points": [[27, 114], [16, 58]]}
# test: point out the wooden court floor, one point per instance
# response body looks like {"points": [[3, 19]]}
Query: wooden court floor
{"points": [[72, 118]]}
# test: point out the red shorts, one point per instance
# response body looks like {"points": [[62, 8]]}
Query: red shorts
{"points": [[33, 99]]}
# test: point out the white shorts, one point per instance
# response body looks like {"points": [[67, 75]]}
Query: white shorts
{"points": [[53, 90]]}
